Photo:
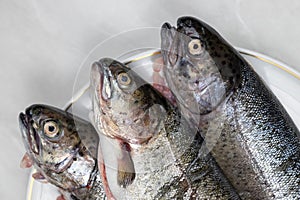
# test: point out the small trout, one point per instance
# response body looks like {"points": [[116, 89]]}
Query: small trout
{"points": [[51, 138]]}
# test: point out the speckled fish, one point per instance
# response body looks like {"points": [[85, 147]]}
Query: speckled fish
{"points": [[162, 158], [51, 138], [255, 142]]}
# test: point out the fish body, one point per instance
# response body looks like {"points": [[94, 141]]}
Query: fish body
{"points": [[168, 158], [51, 138], [250, 134]]}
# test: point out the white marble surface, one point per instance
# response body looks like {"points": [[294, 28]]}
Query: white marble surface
{"points": [[43, 43]]}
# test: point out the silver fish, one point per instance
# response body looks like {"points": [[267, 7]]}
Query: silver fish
{"points": [[255, 141], [51, 138], [165, 154]]}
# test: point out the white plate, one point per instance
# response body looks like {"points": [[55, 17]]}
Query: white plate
{"points": [[283, 81]]}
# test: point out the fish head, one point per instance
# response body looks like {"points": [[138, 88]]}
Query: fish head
{"points": [[50, 137], [125, 106], [201, 68]]}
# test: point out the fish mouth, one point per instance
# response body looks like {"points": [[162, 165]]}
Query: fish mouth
{"points": [[30, 136], [168, 33], [171, 44], [102, 86], [101, 78]]}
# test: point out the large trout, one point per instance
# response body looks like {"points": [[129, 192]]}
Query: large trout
{"points": [[249, 132]]}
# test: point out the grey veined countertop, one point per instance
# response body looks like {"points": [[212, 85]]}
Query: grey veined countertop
{"points": [[43, 44]]}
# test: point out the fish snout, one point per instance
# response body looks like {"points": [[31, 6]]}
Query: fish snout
{"points": [[34, 110], [185, 21], [105, 63], [22, 119], [101, 76]]}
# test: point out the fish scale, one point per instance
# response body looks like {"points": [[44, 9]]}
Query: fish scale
{"points": [[272, 140], [251, 136], [173, 163]]}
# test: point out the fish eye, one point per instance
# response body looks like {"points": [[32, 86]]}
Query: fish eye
{"points": [[123, 79], [194, 47], [51, 129]]}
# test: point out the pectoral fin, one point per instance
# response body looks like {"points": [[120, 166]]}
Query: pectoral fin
{"points": [[61, 197], [126, 171], [38, 176], [26, 161]]}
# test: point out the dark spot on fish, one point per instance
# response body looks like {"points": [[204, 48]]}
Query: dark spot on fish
{"points": [[213, 48], [80, 154], [233, 71], [92, 148], [69, 122], [74, 197], [223, 62], [217, 55], [226, 55], [70, 127], [221, 47], [74, 158], [56, 165], [186, 75], [72, 137], [37, 111]]}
